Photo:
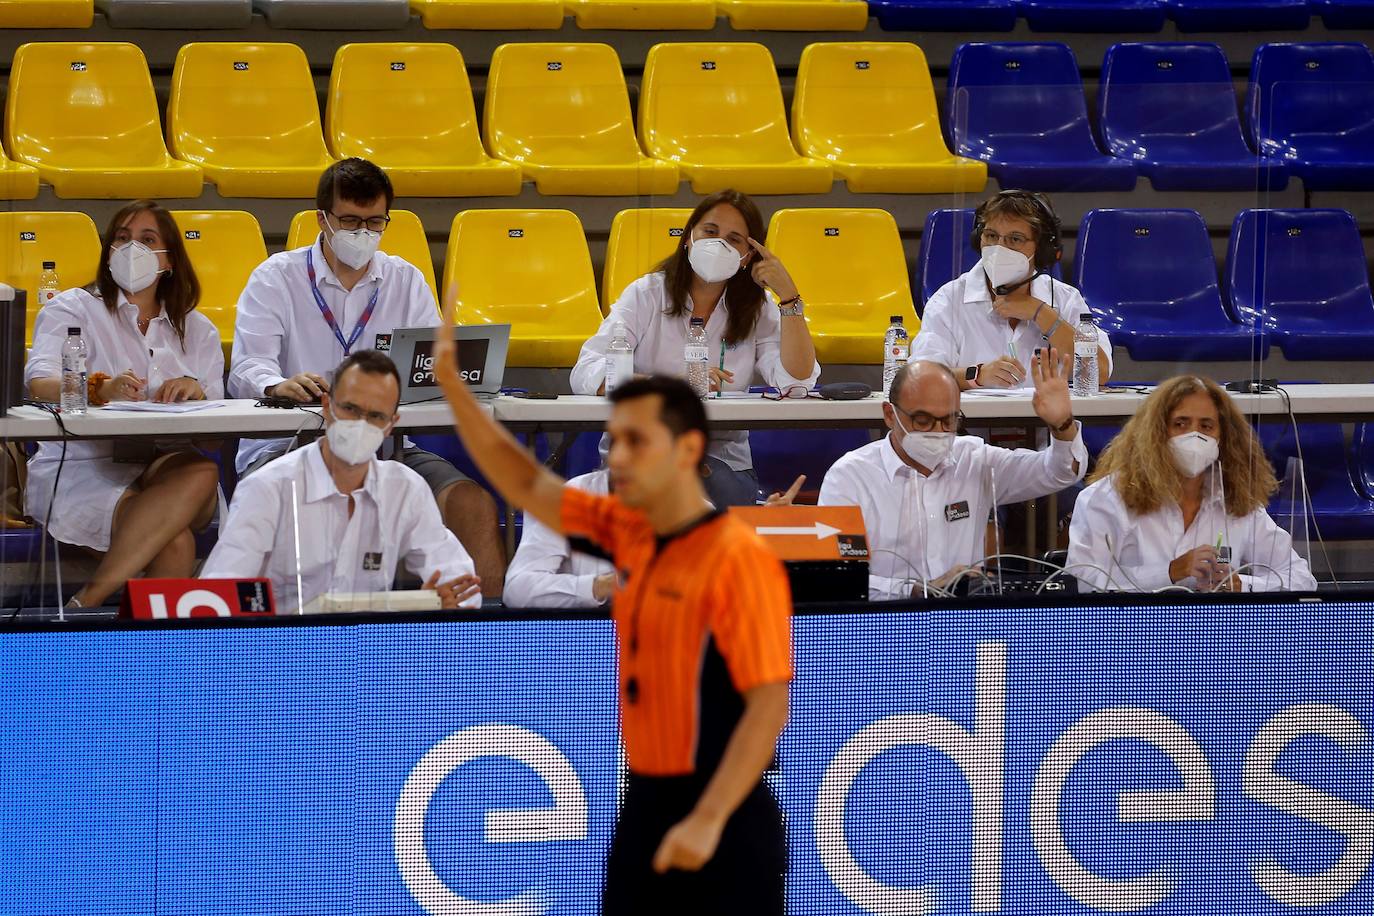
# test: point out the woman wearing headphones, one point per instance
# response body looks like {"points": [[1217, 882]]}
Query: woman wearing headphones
{"points": [[987, 324]]}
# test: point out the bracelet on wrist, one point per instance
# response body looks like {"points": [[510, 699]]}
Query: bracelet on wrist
{"points": [[93, 384], [1065, 426]]}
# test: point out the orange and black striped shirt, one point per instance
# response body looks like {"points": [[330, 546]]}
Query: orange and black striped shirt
{"points": [[703, 615]]}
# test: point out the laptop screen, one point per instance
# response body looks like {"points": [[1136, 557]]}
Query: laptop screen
{"points": [[481, 356]]}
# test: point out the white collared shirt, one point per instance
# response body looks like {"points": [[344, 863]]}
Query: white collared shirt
{"points": [[658, 340], [545, 571], [279, 330], [920, 527], [960, 329], [394, 521], [91, 483], [1112, 548]]}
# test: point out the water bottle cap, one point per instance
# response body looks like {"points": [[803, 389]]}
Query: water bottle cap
{"points": [[73, 332], [896, 319], [698, 321], [1085, 317], [50, 265]]}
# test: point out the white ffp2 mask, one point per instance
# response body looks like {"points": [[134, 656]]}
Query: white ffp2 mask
{"points": [[355, 247], [928, 449], [713, 259], [1004, 266], [354, 441], [134, 266], [1193, 453]]}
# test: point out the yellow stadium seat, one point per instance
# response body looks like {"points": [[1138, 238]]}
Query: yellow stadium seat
{"points": [[405, 238], [408, 108], [851, 270], [716, 110], [247, 115], [28, 239], [224, 247], [17, 181], [563, 113], [489, 14], [529, 269], [84, 114], [639, 240], [797, 15], [46, 14], [869, 107], [644, 14]]}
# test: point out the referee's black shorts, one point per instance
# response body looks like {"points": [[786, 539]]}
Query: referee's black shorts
{"points": [[745, 876]]}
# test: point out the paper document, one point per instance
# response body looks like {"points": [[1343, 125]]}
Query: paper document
{"points": [[152, 407], [999, 393], [342, 602]]}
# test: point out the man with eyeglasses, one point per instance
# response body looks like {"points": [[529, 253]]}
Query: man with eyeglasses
{"points": [[926, 492], [304, 310], [987, 324], [352, 518]]}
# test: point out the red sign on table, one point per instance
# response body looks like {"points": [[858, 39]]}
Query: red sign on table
{"points": [[179, 599]]}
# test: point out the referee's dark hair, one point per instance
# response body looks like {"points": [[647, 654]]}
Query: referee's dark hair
{"points": [[679, 407], [371, 362]]}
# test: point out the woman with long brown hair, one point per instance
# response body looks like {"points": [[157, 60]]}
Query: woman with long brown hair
{"points": [[722, 273], [1178, 500], [134, 506]]}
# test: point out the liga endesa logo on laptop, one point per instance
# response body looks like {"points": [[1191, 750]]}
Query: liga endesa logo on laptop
{"points": [[472, 356]]}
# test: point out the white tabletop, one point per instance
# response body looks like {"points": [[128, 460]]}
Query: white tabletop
{"points": [[243, 418]]}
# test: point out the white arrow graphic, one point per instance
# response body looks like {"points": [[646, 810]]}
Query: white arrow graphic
{"points": [[820, 530]]}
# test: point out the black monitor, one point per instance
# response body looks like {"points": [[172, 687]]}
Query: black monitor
{"points": [[12, 330]]}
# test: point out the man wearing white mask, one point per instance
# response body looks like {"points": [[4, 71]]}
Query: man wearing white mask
{"points": [[1178, 501], [352, 517], [987, 324], [304, 310], [925, 492], [753, 315]]}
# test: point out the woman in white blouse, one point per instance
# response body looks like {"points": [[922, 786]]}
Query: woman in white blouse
{"points": [[1178, 500], [754, 326], [134, 505]]}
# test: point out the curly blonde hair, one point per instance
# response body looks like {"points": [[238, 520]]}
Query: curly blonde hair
{"points": [[1139, 456]]}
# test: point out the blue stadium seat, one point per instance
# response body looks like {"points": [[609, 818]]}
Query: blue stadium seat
{"points": [[1019, 106], [781, 454], [1093, 15], [946, 251], [1237, 15], [944, 15], [1301, 275], [1151, 278], [1171, 109], [1344, 14], [1340, 510], [1312, 105]]}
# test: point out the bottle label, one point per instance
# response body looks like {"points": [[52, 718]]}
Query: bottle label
{"points": [[694, 354], [899, 352], [49, 295], [1085, 348]]}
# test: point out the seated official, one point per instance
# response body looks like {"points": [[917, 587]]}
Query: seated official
{"points": [[1178, 499], [354, 517], [926, 493], [135, 502], [549, 571], [987, 324], [722, 273], [304, 310]]}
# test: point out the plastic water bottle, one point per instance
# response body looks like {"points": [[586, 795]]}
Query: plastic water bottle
{"points": [[620, 359], [74, 373], [48, 284], [697, 359], [1085, 357], [896, 349]]}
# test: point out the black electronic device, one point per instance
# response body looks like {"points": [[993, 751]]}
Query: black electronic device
{"points": [[1253, 385], [536, 395], [12, 332], [845, 391]]}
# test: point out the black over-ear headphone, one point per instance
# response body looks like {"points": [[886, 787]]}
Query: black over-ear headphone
{"points": [[1047, 245]]}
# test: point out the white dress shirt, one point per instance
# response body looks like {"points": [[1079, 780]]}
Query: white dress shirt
{"points": [[658, 340], [91, 482], [279, 330], [394, 520], [920, 527], [545, 571], [960, 329], [1132, 552]]}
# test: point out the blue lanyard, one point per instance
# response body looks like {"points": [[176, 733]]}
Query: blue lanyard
{"points": [[328, 313]]}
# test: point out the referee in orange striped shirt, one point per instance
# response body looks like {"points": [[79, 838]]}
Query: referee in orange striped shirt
{"points": [[703, 632]]}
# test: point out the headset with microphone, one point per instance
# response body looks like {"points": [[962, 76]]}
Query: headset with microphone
{"points": [[1048, 246]]}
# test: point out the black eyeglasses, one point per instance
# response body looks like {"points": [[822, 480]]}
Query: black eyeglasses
{"points": [[349, 222], [922, 422], [1015, 239], [347, 410]]}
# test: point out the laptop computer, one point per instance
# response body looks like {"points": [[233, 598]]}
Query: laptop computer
{"points": [[12, 329], [481, 356]]}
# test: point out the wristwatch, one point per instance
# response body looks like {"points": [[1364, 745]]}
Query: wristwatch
{"points": [[791, 308], [1064, 427], [971, 375]]}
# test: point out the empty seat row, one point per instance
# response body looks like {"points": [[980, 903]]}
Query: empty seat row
{"points": [[246, 118], [1295, 278], [1119, 15]]}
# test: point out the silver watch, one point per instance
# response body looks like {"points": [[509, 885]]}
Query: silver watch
{"points": [[792, 310]]}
